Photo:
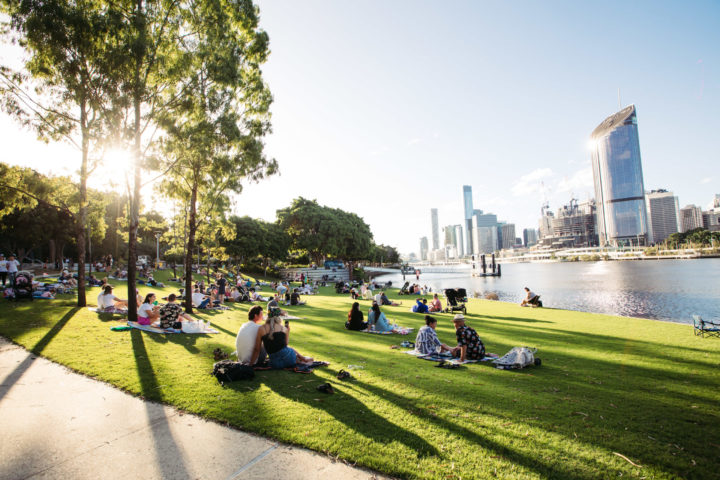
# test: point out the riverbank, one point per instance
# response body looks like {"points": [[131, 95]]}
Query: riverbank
{"points": [[611, 389]]}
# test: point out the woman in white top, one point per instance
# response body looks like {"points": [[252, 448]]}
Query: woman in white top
{"points": [[107, 302], [12, 269], [3, 269], [148, 313]]}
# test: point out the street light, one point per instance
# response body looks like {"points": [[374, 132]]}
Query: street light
{"points": [[157, 250]]}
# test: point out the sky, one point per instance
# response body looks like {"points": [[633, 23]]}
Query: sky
{"points": [[387, 108]]}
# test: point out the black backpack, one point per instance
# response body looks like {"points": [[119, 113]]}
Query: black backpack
{"points": [[228, 371]]}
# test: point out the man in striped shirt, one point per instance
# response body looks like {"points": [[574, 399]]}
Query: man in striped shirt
{"points": [[427, 340]]}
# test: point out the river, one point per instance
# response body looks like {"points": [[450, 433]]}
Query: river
{"points": [[671, 290]]}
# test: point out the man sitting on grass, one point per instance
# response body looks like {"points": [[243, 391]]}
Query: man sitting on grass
{"points": [[171, 314], [427, 341], [199, 300], [245, 341], [109, 303], [420, 306], [469, 347]]}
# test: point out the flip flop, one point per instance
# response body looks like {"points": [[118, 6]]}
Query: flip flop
{"points": [[326, 388], [342, 375]]}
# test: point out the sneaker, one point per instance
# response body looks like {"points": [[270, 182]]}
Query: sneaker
{"points": [[326, 388], [342, 375]]}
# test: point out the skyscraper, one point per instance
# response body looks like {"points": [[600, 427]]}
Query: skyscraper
{"points": [[618, 177], [460, 244], [690, 218], [507, 236], [435, 229], [529, 237], [468, 204], [423, 248], [663, 214]]}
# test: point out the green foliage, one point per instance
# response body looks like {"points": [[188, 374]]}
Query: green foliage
{"points": [[647, 390], [323, 231], [698, 237], [257, 238]]}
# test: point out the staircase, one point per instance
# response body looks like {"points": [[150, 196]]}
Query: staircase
{"points": [[311, 274]]}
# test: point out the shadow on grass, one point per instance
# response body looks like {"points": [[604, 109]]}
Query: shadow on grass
{"points": [[20, 370], [359, 418]]}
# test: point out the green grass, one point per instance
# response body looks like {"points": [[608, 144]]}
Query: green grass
{"points": [[647, 390]]}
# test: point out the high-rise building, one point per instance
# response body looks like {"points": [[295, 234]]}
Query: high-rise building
{"points": [[449, 235], [424, 249], [529, 237], [460, 244], [468, 205], [435, 229], [690, 218], [486, 238], [663, 214], [711, 220], [618, 178], [716, 201], [508, 236], [572, 226]]}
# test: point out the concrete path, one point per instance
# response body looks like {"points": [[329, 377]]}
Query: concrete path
{"points": [[55, 423]]}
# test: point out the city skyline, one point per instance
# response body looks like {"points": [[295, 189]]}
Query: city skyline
{"points": [[501, 98]]}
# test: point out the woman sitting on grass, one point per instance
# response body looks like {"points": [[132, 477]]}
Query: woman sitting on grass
{"points": [[274, 337], [356, 321], [109, 303], [378, 320], [148, 313]]}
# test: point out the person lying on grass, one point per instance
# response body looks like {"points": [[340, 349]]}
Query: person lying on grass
{"points": [[247, 336], [148, 312], [172, 315], [469, 346], [109, 303], [378, 321], [427, 341], [274, 337], [420, 306]]}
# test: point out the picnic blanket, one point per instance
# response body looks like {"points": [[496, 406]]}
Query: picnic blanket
{"points": [[298, 368], [439, 357], [151, 329], [98, 310], [399, 331]]}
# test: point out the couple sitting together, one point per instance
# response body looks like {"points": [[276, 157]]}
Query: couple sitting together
{"points": [[469, 346], [260, 338], [377, 320], [421, 305]]}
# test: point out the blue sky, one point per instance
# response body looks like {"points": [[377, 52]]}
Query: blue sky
{"points": [[387, 108]]}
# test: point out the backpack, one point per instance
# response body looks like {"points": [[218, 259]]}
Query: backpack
{"points": [[228, 371], [518, 357]]}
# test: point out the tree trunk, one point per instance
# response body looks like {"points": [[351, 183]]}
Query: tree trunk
{"points": [[80, 226], [135, 200], [52, 252], [189, 251]]}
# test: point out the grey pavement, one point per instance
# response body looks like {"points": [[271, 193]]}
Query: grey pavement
{"points": [[55, 423]]}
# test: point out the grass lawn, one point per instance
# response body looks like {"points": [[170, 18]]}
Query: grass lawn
{"points": [[647, 390]]}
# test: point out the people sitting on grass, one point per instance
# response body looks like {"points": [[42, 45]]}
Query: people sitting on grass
{"points": [[295, 298], [427, 341], [366, 292], [275, 338], [247, 336], [420, 306], [109, 303], [356, 320], [435, 305], [256, 297], [275, 303], [382, 299], [378, 321], [200, 300], [172, 315], [148, 311], [93, 281], [469, 345], [531, 299]]}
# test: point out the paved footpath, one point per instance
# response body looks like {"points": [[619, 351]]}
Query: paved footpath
{"points": [[55, 423]]}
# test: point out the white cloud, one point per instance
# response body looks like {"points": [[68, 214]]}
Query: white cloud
{"points": [[414, 141], [706, 180], [531, 183], [580, 181]]}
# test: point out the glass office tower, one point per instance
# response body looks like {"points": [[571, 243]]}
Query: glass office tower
{"points": [[617, 173], [468, 204]]}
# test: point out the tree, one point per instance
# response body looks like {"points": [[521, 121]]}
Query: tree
{"points": [[213, 139], [257, 239], [71, 65], [322, 231]]}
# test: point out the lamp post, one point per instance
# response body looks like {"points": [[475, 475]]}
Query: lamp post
{"points": [[157, 250]]}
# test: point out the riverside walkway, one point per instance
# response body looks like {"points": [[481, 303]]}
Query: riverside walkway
{"points": [[59, 424]]}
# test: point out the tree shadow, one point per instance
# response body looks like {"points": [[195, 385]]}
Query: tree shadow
{"points": [[359, 418]]}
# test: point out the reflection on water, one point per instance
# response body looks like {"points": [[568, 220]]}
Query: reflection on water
{"points": [[666, 289]]}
